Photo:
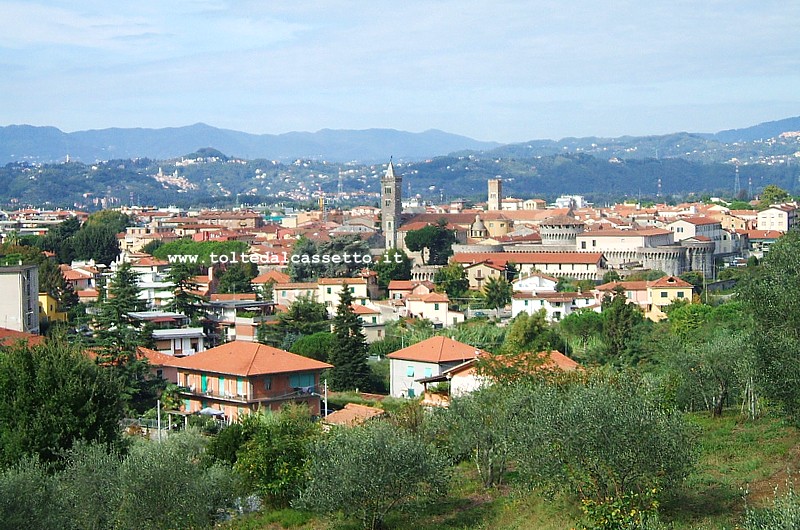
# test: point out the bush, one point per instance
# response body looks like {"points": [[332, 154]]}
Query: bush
{"points": [[783, 515]]}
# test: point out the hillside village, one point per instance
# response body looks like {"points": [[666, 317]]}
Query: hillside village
{"points": [[226, 302]]}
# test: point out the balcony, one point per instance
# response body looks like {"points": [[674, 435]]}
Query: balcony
{"points": [[214, 394]]}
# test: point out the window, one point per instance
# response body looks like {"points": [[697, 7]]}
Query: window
{"points": [[329, 290], [428, 372], [664, 294], [409, 371], [283, 293], [239, 386], [411, 393], [374, 320], [301, 380], [267, 383], [435, 307], [387, 202], [387, 190], [680, 294], [594, 242], [352, 290], [221, 385], [526, 303], [583, 245]]}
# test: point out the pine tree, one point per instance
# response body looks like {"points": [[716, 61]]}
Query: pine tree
{"points": [[184, 300], [118, 336], [349, 354]]}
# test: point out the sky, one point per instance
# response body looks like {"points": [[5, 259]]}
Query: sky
{"points": [[499, 70]]}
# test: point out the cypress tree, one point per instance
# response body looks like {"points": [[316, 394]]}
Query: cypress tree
{"points": [[349, 354]]}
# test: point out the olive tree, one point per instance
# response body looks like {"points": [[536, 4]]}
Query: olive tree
{"points": [[367, 472], [600, 439]]}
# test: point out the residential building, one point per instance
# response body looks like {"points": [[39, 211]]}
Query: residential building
{"points": [[434, 307], [650, 296], [240, 377], [781, 217], [329, 291], [555, 305], [49, 310], [425, 359], [19, 303]]}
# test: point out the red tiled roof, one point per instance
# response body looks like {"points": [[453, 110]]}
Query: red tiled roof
{"points": [[353, 414], [339, 281], [248, 359], [698, 220], [221, 297], [272, 276], [429, 298], [359, 309], [437, 349], [9, 337], [501, 258], [669, 281]]}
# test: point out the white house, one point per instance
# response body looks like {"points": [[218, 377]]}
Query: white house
{"points": [[556, 305], [434, 307], [430, 357]]}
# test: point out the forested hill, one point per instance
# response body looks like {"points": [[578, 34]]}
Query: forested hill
{"points": [[221, 181]]}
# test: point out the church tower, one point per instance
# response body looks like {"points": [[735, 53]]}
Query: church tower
{"points": [[391, 192], [495, 201]]}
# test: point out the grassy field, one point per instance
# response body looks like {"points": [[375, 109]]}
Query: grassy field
{"points": [[737, 458]]}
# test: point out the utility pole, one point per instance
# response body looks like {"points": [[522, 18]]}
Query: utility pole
{"points": [[326, 397], [158, 415]]}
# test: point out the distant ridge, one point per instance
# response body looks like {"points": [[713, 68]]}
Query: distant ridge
{"points": [[48, 144], [769, 129]]}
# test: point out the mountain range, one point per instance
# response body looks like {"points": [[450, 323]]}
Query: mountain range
{"points": [[49, 144]]}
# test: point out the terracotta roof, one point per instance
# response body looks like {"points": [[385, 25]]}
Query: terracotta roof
{"points": [[436, 350], [9, 337], [501, 258], [556, 359], [359, 309], [762, 234], [698, 220], [353, 414], [156, 358], [248, 359], [402, 285], [339, 281], [628, 286], [669, 281], [222, 297], [429, 298], [618, 232], [295, 285], [272, 276], [149, 262]]}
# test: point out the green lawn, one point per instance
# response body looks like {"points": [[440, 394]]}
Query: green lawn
{"points": [[735, 456]]}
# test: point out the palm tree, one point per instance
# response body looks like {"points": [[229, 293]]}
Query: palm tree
{"points": [[497, 293]]}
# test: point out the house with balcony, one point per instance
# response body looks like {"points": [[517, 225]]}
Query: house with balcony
{"points": [[239, 377], [238, 316]]}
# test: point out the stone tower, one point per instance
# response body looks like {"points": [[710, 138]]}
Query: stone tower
{"points": [[495, 202], [391, 194]]}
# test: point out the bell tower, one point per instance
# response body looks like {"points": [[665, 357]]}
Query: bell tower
{"points": [[391, 191]]}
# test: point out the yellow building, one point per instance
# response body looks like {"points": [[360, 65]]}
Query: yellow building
{"points": [[663, 292], [48, 309]]}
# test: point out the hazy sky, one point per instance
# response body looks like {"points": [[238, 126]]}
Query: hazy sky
{"points": [[490, 69]]}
